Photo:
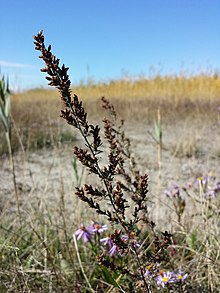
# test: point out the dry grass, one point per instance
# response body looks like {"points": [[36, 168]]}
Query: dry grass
{"points": [[197, 94], [138, 100], [35, 112], [39, 255]]}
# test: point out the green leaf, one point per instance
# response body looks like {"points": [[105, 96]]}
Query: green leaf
{"points": [[2, 93], [4, 119], [193, 240], [7, 105], [109, 278], [157, 130]]}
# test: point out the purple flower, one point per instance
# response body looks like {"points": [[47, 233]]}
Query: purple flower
{"points": [[210, 186], [84, 233], [204, 181], [114, 250], [215, 190], [151, 270], [97, 228], [112, 247], [165, 278], [132, 239], [125, 238], [148, 273], [107, 241], [173, 192], [180, 276], [210, 193]]}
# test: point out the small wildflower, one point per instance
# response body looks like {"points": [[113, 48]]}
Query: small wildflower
{"points": [[148, 273], [173, 192], [210, 193], [113, 250], [112, 247], [213, 191], [97, 228], [204, 181], [125, 238], [210, 186], [84, 233], [107, 241], [165, 278], [132, 239], [180, 276], [151, 269]]}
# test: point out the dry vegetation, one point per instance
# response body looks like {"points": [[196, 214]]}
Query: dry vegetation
{"points": [[38, 253], [35, 112]]}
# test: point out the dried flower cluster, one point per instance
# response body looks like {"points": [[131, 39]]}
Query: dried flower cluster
{"points": [[117, 191]]}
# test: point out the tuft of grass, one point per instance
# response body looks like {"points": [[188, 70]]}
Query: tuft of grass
{"points": [[186, 148]]}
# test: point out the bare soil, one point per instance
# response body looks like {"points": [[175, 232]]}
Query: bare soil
{"points": [[190, 148]]}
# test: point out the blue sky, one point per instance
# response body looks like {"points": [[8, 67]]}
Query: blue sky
{"points": [[103, 40]]}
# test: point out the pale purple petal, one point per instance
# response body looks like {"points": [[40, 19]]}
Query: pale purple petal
{"points": [[106, 241], [84, 233], [113, 250], [97, 228]]}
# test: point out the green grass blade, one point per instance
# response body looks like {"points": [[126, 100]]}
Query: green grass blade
{"points": [[7, 105], [109, 278], [4, 119]]}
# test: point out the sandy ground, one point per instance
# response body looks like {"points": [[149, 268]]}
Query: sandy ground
{"points": [[190, 149]]}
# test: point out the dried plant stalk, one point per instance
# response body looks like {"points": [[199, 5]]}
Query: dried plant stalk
{"points": [[123, 187]]}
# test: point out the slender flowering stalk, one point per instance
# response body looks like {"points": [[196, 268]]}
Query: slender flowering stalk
{"points": [[75, 115], [210, 186], [179, 203], [123, 188]]}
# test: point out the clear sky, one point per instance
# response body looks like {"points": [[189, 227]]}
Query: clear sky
{"points": [[104, 40]]}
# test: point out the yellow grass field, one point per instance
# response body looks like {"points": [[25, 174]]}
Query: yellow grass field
{"points": [[137, 98], [35, 112]]}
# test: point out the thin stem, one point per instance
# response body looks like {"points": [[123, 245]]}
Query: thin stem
{"points": [[142, 273], [88, 144], [22, 148], [13, 174], [80, 263]]}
